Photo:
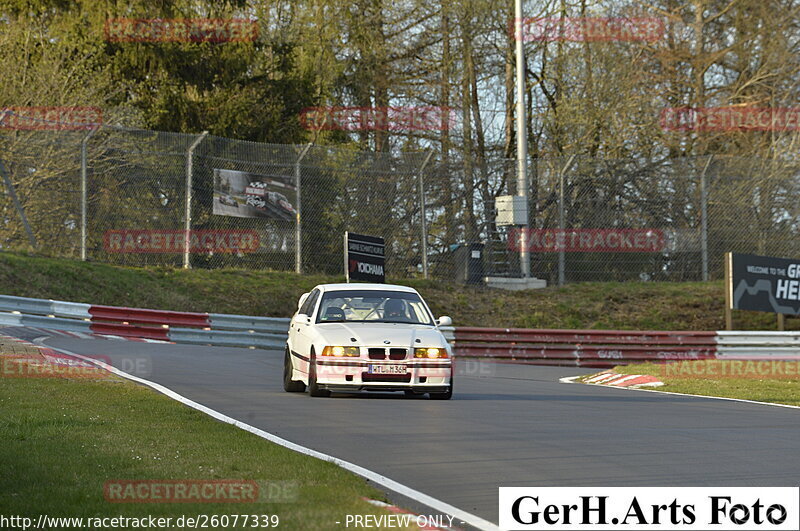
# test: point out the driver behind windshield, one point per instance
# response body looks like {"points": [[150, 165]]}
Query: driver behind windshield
{"points": [[365, 306], [395, 310]]}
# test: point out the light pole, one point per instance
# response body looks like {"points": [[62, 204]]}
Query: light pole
{"points": [[522, 142]]}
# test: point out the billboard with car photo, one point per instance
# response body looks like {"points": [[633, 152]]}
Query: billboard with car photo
{"points": [[252, 195]]}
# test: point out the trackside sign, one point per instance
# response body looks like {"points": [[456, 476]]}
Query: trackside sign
{"points": [[650, 508], [364, 258], [763, 283]]}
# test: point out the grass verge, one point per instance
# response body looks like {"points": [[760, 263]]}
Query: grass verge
{"points": [[764, 381], [593, 305], [63, 439]]}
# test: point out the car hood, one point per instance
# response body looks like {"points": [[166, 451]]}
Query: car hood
{"points": [[376, 335]]}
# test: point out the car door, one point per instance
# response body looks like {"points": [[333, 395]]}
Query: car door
{"points": [[300, 330]]}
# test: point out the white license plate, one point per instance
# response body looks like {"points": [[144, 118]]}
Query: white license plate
{"points": [[387, 369]]}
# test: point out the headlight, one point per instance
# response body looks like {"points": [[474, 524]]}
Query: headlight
{"points": [[340, 352], [430, 353]]}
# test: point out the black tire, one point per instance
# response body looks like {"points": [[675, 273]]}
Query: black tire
{"points": [[314, 389], [447, 395], [289, 385]]}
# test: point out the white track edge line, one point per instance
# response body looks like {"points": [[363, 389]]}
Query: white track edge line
{"points": [[571, 380], [379, 479]]}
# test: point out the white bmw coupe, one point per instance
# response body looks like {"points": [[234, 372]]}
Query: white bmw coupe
{"points": [[373, 337]]}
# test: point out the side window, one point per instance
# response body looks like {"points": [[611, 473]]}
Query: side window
{"points": [[311, 301]]}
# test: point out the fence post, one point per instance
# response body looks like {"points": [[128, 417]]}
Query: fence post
{"points": [[84, 194], [729, 291], [704, 219], [298, 228], [187, 218], [423, 216], [562, 257]]}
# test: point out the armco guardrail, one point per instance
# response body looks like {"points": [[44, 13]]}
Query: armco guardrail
{"points": [[179, 327], [117, 314], [228, 338], [266, 325], [24, 305], [449, 333], [582, 348], [758, 345], [607, 348]]}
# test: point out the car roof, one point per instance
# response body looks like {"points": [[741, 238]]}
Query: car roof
{"points": [[365, 286]]}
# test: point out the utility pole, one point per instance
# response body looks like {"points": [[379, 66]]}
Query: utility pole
{"points": [[522, 142]]}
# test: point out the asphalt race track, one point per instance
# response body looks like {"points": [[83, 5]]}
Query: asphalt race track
{"points": [[507, 425]]}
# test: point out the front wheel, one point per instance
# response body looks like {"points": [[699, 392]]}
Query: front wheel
{"points": [[289, 385], [447, 395], [313, 388]]}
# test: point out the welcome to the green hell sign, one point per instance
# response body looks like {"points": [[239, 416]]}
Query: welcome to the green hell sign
{"points": [[789, 288], [763, 283]]}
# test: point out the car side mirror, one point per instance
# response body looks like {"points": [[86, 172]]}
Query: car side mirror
{"points": [[303, 298], [444, 321]]}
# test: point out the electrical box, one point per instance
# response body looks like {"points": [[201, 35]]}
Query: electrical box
{"points": [[469, 263], [511, 210]]}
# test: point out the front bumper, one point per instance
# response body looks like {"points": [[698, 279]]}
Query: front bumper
{"points": [[421, 376]]}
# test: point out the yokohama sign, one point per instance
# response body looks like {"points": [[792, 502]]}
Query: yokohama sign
{"points": [[591, 240]]}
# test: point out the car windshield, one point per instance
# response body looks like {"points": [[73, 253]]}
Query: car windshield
{"points": [[373, 306]]}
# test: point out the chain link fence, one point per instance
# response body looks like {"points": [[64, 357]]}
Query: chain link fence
{"points": [[128, 196], [668, 220]]}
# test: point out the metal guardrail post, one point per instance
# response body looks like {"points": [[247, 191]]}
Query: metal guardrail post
{"points": [[84, 194], [423, 215], [298, 228], [187, 219]]}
